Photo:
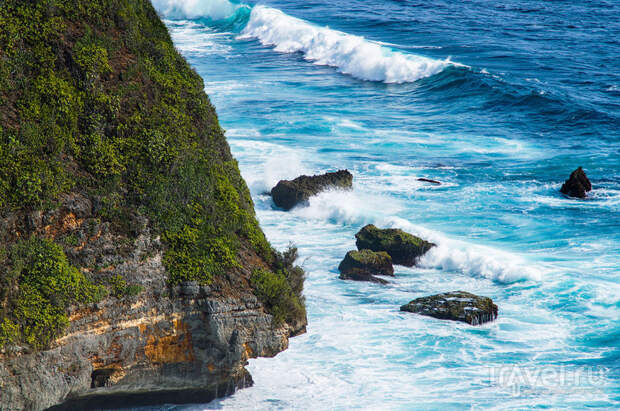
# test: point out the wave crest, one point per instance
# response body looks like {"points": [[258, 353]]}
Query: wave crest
{"points": [[350, 54], [471, 259], [192, 9]]}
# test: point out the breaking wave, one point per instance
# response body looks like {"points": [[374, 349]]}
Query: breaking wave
{"points": [[349, 54]]}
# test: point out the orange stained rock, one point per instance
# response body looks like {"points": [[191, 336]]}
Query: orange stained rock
{"points": [[170, 347]]}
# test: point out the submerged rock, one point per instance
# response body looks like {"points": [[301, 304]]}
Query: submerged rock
{"points": [[456, 306], [577, 184], [403, 247], [364, 265], [288, 193]]}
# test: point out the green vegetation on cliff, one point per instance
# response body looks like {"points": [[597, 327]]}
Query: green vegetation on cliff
{"points": [[37, 291], [281, 289], [95, 99]]}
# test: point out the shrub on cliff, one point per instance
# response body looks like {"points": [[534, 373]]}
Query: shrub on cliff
{"points": [[281, 291], [36, 291], [120, 289]]}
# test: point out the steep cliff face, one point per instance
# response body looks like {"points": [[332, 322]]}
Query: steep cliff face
{"points": [[132, 268]]}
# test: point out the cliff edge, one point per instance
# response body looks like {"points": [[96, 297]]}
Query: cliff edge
{"points": [[132, 268]]}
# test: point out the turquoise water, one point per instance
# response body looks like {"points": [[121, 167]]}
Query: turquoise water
{"points": [[500, 103]]}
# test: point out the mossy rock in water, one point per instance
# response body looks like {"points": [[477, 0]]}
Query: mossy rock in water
{"points": [[577, 184], [365, 264], [456, 306], [403, 247], [288, 193]]}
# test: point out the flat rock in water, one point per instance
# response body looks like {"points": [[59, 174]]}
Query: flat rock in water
{"points": [[364, 265], [288, 193], [428, 180], [456, 306], [403, 247], [577, 184]]}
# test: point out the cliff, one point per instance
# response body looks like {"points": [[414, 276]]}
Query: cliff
{"points": [[132, 267]]}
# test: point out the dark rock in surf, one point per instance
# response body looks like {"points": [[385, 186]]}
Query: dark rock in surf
{"points": [[428, 180], [288, 193], [455, 306], [403, 247], [364, 265], [577, 184]]}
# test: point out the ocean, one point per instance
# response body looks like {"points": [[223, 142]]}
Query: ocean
{"points": [[499, 101]]}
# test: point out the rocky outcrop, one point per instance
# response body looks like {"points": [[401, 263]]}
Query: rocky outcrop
{"points": [[152, 350], [403, 247], [288, 193], [187, 343], [364, 265], [456, 306], [577, 184], [132, 267]]}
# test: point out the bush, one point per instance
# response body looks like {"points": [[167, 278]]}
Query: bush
{"points": [[40, 285], [281, 291], [198, 252], [9, 332], [285, 262], [120, 288], [92, 58]]}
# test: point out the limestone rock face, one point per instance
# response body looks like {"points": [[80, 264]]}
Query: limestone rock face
{"points": [[577, 184], [456, 306], [364, 265], [180, 344], [288, 193], [403, 247]]}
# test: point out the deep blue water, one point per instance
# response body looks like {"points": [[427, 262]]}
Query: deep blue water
{"points": [[498, 100]]}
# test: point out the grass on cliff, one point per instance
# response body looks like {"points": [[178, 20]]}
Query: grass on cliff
{"points": [[37, 291], [95, 98]]}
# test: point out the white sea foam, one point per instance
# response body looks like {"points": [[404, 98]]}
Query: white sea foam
{"points": [[350, 125], [282, 168], [605, 198], [350, 54], [470, 259], [196, 40], [359, 208], [347, 207], [191, 9]]}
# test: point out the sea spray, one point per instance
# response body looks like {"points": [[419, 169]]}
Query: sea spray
{"points": [[348, 207], [280, 162], [359, 208], [350, 54], [191, 9], [468, 258]]}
